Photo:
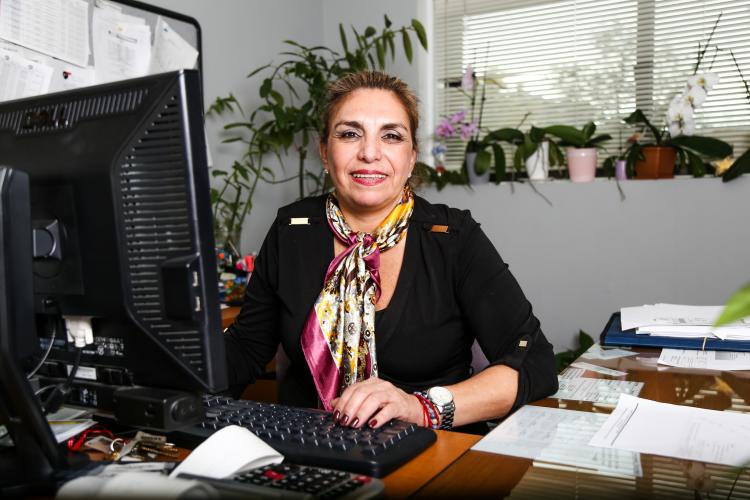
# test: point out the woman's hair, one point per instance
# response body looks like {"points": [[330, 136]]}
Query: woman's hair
{"points": [[344, 86]]}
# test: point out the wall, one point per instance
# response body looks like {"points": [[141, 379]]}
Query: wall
{"points": [[239, 36], [680, 241]]}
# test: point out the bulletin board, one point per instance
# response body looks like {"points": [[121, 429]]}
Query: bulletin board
{"points": [[54, 45]]}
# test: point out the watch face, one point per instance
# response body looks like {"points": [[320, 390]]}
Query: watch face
{"points": [[440, 395]]}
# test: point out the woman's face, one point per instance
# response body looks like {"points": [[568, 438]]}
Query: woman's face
{"points": [[369, 153]]}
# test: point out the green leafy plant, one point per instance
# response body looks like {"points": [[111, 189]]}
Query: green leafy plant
{"points": [[288, 118], [583, 138], [737, 307], [565, 358]]}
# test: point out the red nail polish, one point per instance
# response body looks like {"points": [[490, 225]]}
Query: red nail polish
{"points": [[355, 422], [336, 416], [373, 423], [344, 419]]}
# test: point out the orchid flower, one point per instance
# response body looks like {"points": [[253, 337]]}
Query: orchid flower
{"points": [[467, 81], [696, 96], [706, 81], [445, 129], [468, 130]]}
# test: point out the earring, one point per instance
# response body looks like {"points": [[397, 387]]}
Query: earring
{"points": [[325, 172]]}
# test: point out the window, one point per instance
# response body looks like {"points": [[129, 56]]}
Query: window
{"points": [[569, 62]]}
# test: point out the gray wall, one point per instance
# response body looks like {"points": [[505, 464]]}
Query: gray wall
{"points": [[683, 241], [675, 241]]}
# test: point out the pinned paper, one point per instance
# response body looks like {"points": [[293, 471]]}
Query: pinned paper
{"points": [[122, 45], [58, 28], [22, 77], [170, 52]]}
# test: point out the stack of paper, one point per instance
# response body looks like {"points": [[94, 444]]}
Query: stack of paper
{"points": [[672, 320]]}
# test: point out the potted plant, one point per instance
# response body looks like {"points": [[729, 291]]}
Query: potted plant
{"points": [[657, 159], [582, 148]]}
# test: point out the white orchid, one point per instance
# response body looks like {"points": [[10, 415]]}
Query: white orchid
{"points": [[680, 116], [696, 96], [706, 81]]}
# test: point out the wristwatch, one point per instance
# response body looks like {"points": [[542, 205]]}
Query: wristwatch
{"points": [[442, 398]]}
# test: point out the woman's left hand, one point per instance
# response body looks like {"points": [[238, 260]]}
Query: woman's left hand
{"points": [[375, 402]]}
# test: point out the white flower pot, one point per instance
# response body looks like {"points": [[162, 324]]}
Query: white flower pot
{"points": [[475, 178], [537, 165]]}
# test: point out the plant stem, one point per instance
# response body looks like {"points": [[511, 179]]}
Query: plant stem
{"points": [[302, 155], [708, 43]]}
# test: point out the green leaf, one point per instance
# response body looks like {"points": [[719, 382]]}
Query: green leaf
{"points": [[231, 139], [596, 140], [505, 134], [381, 53], [706, 146], [370, 31], [740, 166], [482, 163], [608, 166], [637, 117], [257, 70], [499, 154], [588, 130], [421, 33], [738, 307], [695, 164], [407, 45], [277, 97], [342, 34], [518, 157], [387, 21], [556, 156], [391, 45], [633, 155], [265, 87], [536, 134], [218, 173], [567, 134]]}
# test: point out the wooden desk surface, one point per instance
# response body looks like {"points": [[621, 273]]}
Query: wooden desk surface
{"points": [[487, 474]]}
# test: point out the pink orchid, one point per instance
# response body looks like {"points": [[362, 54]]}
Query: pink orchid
{"points": [[468, 130]]}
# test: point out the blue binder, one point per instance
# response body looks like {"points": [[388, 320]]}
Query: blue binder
{"points": [[614, 335]]}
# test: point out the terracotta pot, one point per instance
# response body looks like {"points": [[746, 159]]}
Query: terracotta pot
{"points": [[658, 163], [582, 164]]}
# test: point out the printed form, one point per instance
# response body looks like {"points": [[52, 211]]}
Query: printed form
{"points": [[558, 436], [645, 426]]}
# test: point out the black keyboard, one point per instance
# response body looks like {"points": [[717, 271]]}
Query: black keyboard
{"points": [[296, 482], [311, 437]]}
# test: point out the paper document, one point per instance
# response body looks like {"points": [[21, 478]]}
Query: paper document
{"points": [[68, 422], [598, 369], [596, 351], [170, 52], [58, 28], [572, 372], [21, 77], [596, 390], [228, 451], [709, 360], [559, 436], [122, 45], [646, 426]]}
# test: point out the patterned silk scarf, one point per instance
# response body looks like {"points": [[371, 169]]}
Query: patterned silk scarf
{"points": [[338, 339]]}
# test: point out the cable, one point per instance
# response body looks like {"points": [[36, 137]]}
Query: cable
{"points": [[52, 339], [55, 400]]}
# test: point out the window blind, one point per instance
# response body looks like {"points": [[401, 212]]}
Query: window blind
{"points": [[573, 61]]}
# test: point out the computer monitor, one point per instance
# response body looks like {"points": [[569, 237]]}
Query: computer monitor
{"points": [[119, 209]]}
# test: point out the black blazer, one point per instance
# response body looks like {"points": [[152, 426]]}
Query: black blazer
{"points": [[453, 288]]}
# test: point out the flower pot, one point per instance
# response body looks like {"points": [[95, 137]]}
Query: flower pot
{"points": [[475, 178], [621, 170], [537, 165], [582, 164], [658, 163]]}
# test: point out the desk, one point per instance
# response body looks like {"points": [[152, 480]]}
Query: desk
{"points": [[499, 476]]}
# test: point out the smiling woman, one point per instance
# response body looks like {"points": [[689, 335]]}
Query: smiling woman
{"points": [[377, 295]]}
